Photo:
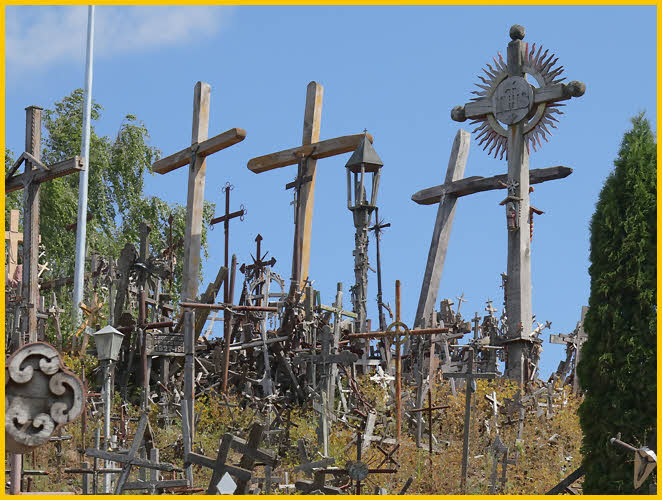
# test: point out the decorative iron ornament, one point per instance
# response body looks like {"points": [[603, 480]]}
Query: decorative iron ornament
{"points": [[40, 396], [496, 83]]}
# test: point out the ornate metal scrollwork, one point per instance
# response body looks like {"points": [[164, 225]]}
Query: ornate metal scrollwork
{"points": [[40, 396]]}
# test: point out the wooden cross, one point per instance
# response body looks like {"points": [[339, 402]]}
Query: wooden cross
{"points": [[311, 150], [195, 156], [308, 467], [34, 174], [429, 410], [242, 472], [508, 98], [499, 449], [130, 459], [470, 376], [93, 317], [495, 404], [446, 196], [13, 237], [574, 342], [318, 484]]}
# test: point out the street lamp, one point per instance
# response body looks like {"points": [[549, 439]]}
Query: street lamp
{"points": [[363, 171], [108, 342]]}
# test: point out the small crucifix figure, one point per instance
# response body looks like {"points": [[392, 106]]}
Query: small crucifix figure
{"points": [[507, 98], [13, 237], [470, 376]]}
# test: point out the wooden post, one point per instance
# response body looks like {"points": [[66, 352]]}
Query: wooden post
{"points": [[195, 157]]}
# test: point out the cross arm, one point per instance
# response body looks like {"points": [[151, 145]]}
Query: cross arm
{"points": [[241, 446], [127, 459], [66, 167], [317, 150], [477, 184], [205, 148]]}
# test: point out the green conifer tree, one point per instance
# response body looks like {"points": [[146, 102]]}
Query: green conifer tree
{"points": [[617, 370]]}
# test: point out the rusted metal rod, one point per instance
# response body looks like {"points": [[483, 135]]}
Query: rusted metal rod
{"points": [[197, 305], [398, 359], [421, 331], [426, 409]]}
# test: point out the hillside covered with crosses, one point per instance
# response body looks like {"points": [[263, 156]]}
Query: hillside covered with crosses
{"points": [[257, 382]]}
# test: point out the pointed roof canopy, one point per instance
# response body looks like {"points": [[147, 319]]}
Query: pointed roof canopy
{"points": [[364, 154]]}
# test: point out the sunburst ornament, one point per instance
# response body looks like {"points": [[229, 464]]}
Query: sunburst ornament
{"points": [[507, 97]]}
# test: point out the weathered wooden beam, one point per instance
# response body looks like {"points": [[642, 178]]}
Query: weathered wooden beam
{"points": [[477, 184], [565, 483], [66, 167], [316, 151], [205, 148]]}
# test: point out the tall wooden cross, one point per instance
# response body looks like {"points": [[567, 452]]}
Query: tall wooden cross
{"points": [[507, 98], [470, 376], [195, 156], [34, 174], [311, 150], [446, 196]]}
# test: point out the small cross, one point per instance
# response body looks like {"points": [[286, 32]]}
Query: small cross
{"points": [[489, 308]]}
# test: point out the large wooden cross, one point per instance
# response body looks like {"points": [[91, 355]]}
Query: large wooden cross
{"points": [[195, 156], [446, 195], [508, 98], [311, 150], [34, 174]]}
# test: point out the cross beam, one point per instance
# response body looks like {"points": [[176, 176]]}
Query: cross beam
{"points": [[311, 150]]}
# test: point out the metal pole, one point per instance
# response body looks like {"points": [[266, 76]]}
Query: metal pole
{"points": [[79, 272], [398, 369], [106, 421]]}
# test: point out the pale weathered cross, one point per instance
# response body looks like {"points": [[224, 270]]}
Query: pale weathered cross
{"points": [[30, 181], [13, 237], [508, 98], [446, 196], [195, 156], [311, 150]]}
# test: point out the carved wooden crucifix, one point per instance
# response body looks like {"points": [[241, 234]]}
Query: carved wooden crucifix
{"points": [[13, 237], [195, 156], [311, 150], [507, 98], [30, 181]]}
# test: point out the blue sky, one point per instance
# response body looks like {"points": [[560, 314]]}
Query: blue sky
{"points": [[396, 71]]}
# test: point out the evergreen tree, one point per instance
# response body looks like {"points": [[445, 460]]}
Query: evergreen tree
{"points": [[617, 370]]}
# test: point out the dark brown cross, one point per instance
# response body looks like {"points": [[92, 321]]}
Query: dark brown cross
{"points": [[429, 410], [34, 174], [377, 228], [227, 315], [470, 376]]}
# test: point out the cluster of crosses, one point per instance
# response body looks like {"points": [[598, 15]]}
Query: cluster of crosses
{"points": [[281, 347]]}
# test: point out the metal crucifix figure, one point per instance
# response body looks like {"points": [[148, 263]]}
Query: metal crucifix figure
{"points": [[507, 98]]}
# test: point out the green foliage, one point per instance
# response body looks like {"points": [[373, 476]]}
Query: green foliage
{"points": [[117, 203], [618, 365]]}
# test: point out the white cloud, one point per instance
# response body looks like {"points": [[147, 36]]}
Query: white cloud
{"points": [[37, 37]]}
